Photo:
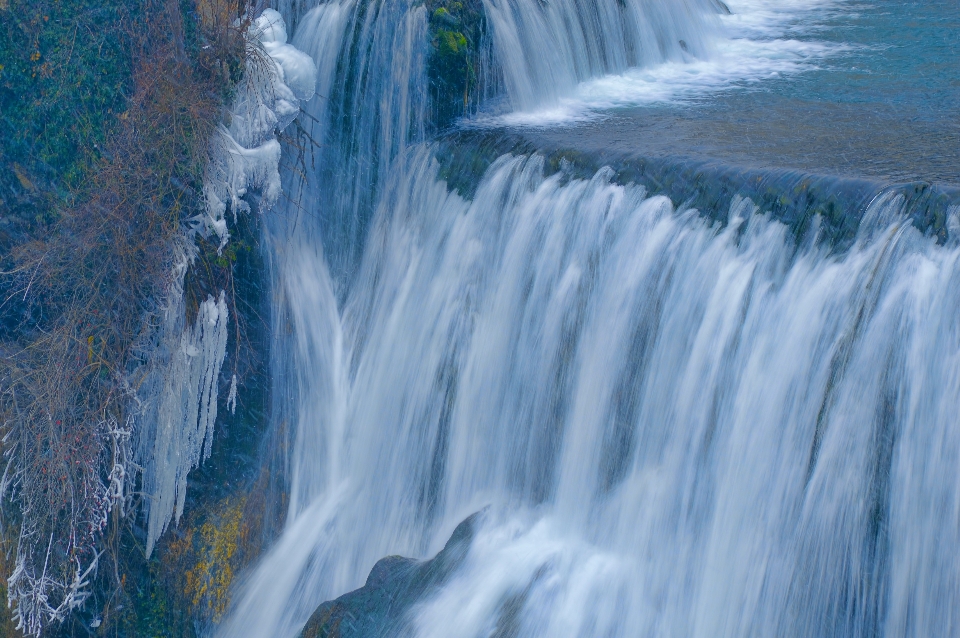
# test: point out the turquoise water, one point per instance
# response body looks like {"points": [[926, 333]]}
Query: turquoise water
{"points": [[884, 103], [903, 55]]}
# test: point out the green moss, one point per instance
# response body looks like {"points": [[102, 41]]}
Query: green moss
{"points": [[64, 75], [451, 43], [457, 31]]}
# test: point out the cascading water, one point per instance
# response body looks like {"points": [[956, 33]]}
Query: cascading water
{"points": [[371, 103], [549, 47], [677, 426]]}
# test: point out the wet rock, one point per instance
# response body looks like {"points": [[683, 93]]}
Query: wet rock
{"points": [[457, 32], [722, 7], [379, 608]]}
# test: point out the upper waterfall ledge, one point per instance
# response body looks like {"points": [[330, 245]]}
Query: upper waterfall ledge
{"points": [[831, 206]]}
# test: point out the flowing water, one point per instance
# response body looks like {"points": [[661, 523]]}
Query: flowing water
{"points": [[677, 421]]}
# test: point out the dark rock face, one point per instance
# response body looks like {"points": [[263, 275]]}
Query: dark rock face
{"points": [[457, 37], [395, 584]]}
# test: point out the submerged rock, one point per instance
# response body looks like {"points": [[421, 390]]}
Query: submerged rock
{"points": [[394, 586]]}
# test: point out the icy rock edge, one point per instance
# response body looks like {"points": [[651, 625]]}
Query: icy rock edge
{"points": [[246, 155], [176, 402]]}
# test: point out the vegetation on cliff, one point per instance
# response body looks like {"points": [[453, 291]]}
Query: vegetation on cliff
{"points": [[107, 109]]}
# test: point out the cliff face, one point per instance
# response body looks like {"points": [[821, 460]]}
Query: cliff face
{"points": [[108, 112], [459, 58], [234, 503]]}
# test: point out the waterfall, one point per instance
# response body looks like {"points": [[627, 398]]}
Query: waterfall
{"points": [[680, 427], [371, 102], [676, 421], [547, 48]]}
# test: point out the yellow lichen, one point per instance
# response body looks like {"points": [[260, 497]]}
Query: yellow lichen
{"points": [[208, 583]]}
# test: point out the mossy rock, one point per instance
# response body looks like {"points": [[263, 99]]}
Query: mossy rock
{"points": [[457, 36]]}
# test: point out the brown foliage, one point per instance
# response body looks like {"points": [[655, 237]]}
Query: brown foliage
{"points": [[94, 282]]}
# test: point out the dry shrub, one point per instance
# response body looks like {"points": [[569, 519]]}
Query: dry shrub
{"points": [[94, 285]]}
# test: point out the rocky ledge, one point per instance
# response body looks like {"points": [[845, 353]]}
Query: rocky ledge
{"points": [[380, 608]]}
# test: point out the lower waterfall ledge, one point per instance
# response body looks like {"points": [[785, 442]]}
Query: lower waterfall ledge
{"points": [[831, 204], [395, 585]]}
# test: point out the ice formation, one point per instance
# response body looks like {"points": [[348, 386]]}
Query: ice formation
{"points": [[36, 595], [177, 428], [232, 396], [246, 155], [179, 391]]}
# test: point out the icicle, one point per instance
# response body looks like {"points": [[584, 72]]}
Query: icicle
{"points": [[185, 413], [232, 397], [178, 393]]}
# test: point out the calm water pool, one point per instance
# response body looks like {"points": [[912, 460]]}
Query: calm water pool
{"points": [[884, 103]]}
